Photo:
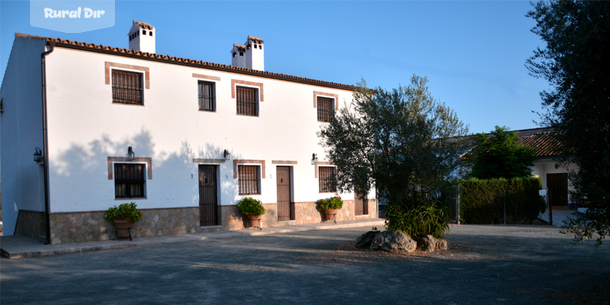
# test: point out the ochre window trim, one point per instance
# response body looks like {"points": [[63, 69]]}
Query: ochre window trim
{"points": [[111, 161], [237, 162], [109, 64], [325, 94], [251, 84], [208, 77]]}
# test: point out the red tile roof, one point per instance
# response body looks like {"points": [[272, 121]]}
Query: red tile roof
{"points": [[546, 143], [144, 25], [92, 47]]}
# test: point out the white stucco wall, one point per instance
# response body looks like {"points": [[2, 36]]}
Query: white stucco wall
{"points": [[85, 127], [21, 125]]}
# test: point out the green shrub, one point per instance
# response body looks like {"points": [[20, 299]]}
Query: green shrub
{"points": [[482, 201], [423, 219], [331, 203], [250, 206], [125, 211]]}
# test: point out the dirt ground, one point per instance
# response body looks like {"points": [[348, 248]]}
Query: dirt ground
{"points": [[484, 265]]}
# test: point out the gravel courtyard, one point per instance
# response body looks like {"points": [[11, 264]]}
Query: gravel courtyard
{"points": [[485, 265]]}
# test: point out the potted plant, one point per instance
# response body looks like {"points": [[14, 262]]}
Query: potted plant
{"points": [[253, 209], [331, 207], [123, 216]]}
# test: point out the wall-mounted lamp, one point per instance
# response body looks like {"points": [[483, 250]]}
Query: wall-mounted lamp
{"points": [[130, 154], [38, 155], [227, 155], [314, 158]]}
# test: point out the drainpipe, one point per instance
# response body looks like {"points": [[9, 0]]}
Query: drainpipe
{"points": [[49, 47]]}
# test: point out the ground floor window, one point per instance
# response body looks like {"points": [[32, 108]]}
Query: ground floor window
{"points": [[249, 179], [327, 179], [129, 180]]}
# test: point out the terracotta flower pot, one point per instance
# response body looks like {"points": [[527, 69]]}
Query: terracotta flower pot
{"points": [[331, 214], [123, 228], [254, 220]]}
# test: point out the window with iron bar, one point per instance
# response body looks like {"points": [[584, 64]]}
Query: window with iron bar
{"points": [[247, 101], [127, 87], [325, 105], [248, 179], [129, 180], [326, 177]]}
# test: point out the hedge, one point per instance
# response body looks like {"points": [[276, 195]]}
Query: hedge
{"points": [[482, 201]]}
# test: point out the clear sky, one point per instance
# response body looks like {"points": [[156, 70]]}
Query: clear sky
{"points": [[473, 52]]}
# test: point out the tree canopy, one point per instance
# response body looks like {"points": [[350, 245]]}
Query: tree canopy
{"points": [[499, 156], [575, 62], [401, 141]]}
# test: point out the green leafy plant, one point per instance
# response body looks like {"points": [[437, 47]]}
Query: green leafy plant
{"points": [[125, 211], [419, 220], [250, 206], [331, 203]]}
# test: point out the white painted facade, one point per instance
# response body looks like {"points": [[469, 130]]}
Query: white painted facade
{"points": [[544, 166], [85, 128], [142, 37]]}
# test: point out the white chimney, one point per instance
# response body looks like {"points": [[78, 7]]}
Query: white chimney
{"points": [[239, 55], [142, 37], [251, 56]]}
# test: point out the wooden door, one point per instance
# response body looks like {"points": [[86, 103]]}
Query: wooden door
{"points": [[361, 203], [558, 187], [208, 196], [285, 209]]}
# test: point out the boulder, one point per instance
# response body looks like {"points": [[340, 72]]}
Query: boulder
{"points": [[364, 241], [393, 241], [428, 243]]}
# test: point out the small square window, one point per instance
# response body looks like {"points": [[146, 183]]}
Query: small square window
{"points": [[207, 96], [129, 180], [127, 87], [248, 179], [247, 101], [327, 179]]}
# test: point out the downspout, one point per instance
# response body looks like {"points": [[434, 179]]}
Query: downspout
{"points": [[49, 47]]}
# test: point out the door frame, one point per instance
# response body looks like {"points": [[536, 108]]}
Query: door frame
{"points": [[291, 207]]}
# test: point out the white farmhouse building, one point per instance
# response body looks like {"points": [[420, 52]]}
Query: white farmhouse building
{"points": [[184, 139]]}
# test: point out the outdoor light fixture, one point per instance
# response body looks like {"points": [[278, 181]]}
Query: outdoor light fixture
{"points": [[227, 155], [130, 154], [38, 155], [314, 158]]}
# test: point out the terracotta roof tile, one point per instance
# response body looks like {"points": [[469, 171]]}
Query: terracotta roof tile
{"points": [[144, 25], [546, 143], [202, 64]]}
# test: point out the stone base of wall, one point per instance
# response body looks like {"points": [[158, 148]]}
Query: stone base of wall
{"points": [[91, 226], [31, 224], [305, 213]]}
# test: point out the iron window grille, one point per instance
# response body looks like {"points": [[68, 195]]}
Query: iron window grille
{"points": [[247, 101], [325, 105], [327, 179], [127, 87], [248, 179], [207, 96], [129, 180]]}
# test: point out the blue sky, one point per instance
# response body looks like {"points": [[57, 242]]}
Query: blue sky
{"points": [[473, 52]]}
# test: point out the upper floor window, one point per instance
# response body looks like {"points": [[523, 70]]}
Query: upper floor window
{"points": [[127, 87], [327, 179], [247, 101], [325, 105], [207, 96], [129, 180]]}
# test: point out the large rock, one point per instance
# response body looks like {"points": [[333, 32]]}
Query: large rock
{"points": [[393, 241], [364, 241], [428, 243]]}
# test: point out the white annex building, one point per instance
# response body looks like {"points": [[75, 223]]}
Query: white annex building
{"points": [[86, 127]]}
